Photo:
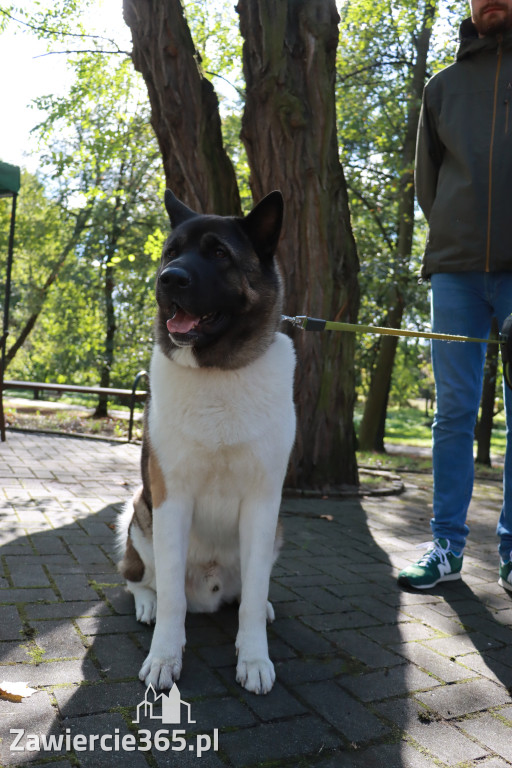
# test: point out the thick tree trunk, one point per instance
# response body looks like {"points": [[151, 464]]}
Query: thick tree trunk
{"points": [[184, 107], [289, 131], [372, 429], [484, 426]]}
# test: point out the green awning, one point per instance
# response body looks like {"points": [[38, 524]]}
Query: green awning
{"points": [[10, 179]]}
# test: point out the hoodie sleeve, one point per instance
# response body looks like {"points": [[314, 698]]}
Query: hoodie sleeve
{"points": [[429, 156]]}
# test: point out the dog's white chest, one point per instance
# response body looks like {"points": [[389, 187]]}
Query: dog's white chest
{"points": [[201, 414]]}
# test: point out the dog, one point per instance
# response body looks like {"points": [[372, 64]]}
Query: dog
{"points": [[219, 427]]}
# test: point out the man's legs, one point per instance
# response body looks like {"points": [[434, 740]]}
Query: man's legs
{"points": [[460, 305]]}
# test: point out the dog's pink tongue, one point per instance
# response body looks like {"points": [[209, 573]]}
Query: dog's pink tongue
{"points": [[182, 322]]}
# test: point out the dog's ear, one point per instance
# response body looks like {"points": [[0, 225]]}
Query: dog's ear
{"points": [[178, 211], [263, 224]]}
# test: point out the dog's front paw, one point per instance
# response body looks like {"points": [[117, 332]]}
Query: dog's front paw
{"points": [[256, 676], [161, 673], [145, 605]]}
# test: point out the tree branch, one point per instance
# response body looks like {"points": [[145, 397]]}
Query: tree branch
{"points": [[49, 31], [95, 50], [31, 321]]}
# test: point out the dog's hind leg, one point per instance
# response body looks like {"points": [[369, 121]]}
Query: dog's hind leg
{"points": [[145, 602], [137, 564]]}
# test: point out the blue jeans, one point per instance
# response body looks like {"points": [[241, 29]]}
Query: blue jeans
{"points": [[464, 303]]}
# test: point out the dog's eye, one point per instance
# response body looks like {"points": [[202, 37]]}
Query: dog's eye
{"points": [[215, 588], [171, 254], [220, 253]]}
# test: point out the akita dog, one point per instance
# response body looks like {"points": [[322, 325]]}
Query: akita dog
{"points": [[219, 427]]}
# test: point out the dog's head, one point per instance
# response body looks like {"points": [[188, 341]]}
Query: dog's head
{"points": [[218, 288]]}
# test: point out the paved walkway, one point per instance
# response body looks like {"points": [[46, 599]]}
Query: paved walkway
{"points": [[367, 675]]}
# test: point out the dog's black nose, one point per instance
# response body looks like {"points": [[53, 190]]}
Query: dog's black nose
{"points": [[175, 277]]}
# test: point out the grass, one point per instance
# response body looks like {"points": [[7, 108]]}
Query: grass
{"points": [[412, 428], [405, 426]]}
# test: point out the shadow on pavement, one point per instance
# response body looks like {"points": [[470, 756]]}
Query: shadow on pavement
{"points": [[67, 629], [367, 675]]}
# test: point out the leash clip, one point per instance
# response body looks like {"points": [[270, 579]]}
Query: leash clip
{"points": [[298, 321]]}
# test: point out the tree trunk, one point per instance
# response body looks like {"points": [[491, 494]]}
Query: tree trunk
{"points": [[184, 107], [101, 411], [289, 131], [372, 429], [371, 433], [484, 426]]}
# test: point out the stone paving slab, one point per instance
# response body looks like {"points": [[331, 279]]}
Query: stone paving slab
{"points": [[367, 674]]}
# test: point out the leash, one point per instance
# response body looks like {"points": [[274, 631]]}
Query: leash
{"points": [[504, 339]]}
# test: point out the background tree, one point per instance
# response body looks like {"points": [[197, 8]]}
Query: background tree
{"points": [[396, 79], [291, 51], [289, 131], [184, 107], [101, 126], [386, 55], [46, 236], [107, 197]]}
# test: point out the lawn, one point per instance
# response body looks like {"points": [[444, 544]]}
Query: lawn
{"points": [[412, 428], [71, 414]]}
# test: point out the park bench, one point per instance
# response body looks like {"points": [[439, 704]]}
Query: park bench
{"points": [[134, 395]]}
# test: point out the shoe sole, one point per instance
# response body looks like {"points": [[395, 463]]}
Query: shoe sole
{"points": [[505, 584], [404, 581]]}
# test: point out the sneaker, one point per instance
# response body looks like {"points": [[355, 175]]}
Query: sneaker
{"points": [[505, 579], [438, 564]]}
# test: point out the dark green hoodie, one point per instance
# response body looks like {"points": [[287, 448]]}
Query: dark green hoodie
{"points": [[464, 158]]}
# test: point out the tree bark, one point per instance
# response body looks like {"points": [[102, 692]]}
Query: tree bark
{"points": [[184, 107], [289, 131], [109, 284], [372, 428], [484, 426]]}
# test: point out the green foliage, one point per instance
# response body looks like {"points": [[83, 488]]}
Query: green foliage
{"points": [[377, 52], [42, 228], [99, 158], [61, 23], [92, 164], [214, 28]]}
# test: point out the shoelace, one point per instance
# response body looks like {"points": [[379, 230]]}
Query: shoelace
{"points": [[435, 554]]}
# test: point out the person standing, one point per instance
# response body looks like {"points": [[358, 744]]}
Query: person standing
{"points": [[464, 187]]}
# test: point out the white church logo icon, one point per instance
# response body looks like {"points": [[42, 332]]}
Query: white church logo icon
{"points": [[171, 706]]}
